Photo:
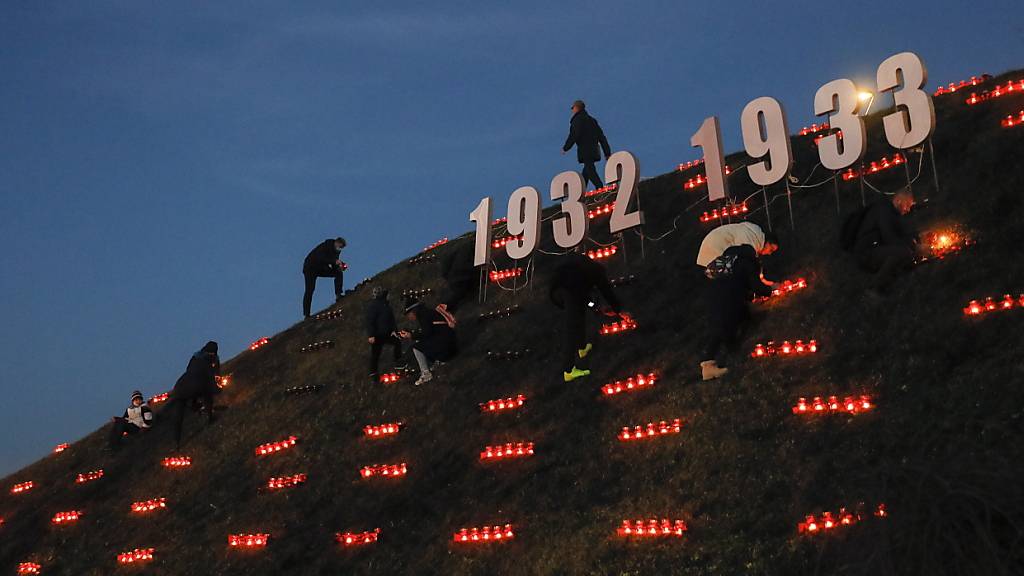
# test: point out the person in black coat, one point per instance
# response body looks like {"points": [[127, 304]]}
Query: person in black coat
{"points": [[460, 275], [137, 417], [885, 245], [381, 330], [323, 262], [197, 384], [435, 340], [586, 134], [572, 285], [728, 303]]}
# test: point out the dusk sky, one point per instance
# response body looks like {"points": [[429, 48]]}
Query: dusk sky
{"points": [[165, 167]]}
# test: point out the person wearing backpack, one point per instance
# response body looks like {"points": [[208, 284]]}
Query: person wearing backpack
{"points": [[735, 277], [881, 241], [728, 235]]}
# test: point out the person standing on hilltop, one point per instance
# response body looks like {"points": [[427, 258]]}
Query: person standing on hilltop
{"points": [[586, 134], [324, 261], [381, 330], [197, 384], [572, 284]]}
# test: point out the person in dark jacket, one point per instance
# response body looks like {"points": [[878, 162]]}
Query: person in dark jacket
{"points": [[885, 245], [435, 340], [197, 385], [572, 285], [137, 417], [381, 330], [586, 134], [323, 262], [729, 299], [460, 275]]}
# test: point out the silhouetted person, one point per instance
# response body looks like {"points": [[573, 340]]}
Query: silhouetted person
{"points": [[381, 330], [572, 284], [586, 134], [736, 278], [137, 417], [728, 235], [885, 245], [197, 385], [435, 341], [323, 262], [460, 275]]}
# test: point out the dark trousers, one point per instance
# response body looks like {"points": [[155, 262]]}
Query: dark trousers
{"points": [[458, 292], [590, 175], [120, 427], [333, 272], [178, 407], [728, 313], [575, 329], [887, 262], [378, 346]]}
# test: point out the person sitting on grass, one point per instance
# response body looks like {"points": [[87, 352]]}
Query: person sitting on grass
{"points": [[735, 276], [137, 417], [434, 342], [382, 330], [572, 284]]}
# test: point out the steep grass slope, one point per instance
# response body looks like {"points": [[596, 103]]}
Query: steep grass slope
{"points": [[942, 449]]}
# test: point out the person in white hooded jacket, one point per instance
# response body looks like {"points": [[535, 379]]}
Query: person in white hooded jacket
{"points": [[728, 235], [137, 417]]}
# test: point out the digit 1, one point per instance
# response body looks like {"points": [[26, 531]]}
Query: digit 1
{"points": [[709, 140], [481, 215]]}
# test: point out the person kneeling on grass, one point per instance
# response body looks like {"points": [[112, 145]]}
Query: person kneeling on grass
{"points": [[734, 275], [381, 330], [137, 417], [435, 341]]}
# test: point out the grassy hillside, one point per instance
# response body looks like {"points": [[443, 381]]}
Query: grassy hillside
{"points": [[942, 450]]}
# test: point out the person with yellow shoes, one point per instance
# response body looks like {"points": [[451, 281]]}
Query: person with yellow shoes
{"points": [[572, 284]]}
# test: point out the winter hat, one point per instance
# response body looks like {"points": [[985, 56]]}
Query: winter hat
{"points": [[411, 304], [138, 395], [210, 347]]}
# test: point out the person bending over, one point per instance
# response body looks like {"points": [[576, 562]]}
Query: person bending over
{"points": [[461, 278], [435, 341], [381, 330], [728, 235], [137, 417], [324, 261], [195, 387]]}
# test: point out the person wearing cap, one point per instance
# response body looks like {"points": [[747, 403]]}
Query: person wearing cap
{"points": [[381, 330], [572, 287], [435, 341], [137, 417], [324, 261], [586, 134], [195, 387]]}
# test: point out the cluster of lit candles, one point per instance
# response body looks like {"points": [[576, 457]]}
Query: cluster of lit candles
{"points": [[176, 462], [727, 211], [601, 190], [507, 450], [485, 534], [387, 470], [603, 210], [651, 429], [814, 128], [440, 242], [691, 164], [28, 568], [624, 325], [149, 505], [357, 538], [943, 243], [504, 240], [322, 345], [273, 447], [137, 555], [501, 312], [160, 398], [259, 343], [954, 86], [329, 315], [66, 517], [1011, 87], [22, 487], [89, 476], [248, 540], [787, 287], [632, 383], [390, 378], [278, 482], [1011, 120], [602, 253], [423, 259], [700, 180], [785, 349], [849, 405], [61, 447], [294, 390], [503, 404], [827, 521], [381, 430], [990, 304], [499, 275], [876, 166], [818, 139], [653, 527], [416, 293]]}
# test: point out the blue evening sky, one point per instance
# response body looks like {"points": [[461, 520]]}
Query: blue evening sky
{"points": [[165, 166]]}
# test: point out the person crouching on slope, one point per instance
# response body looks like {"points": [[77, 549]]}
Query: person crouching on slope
{"points": [[197, 384], [137, 417], [461, 277], [735, 276], [381, 330], [571, 286], [886, 246], [435, 341], [324, 261], [728, 235]]}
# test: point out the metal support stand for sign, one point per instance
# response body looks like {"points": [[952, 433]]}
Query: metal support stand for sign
{"points": [[789, 199], [643, 253], [935, 169], [515, 279], [863, 201], [481, 289], [767, 209], [625, 255], [835, 186], [906, 170]]}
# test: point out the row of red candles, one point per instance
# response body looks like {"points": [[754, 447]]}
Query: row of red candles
{"points": [[976, 308], [1010, 121], [1011, 87], [602, 253], [849, 404], [877, 166], [785, 349], [731, 210]]}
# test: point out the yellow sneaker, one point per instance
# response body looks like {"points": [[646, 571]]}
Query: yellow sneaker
{"points": [[576, 373], [585, 350]]}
